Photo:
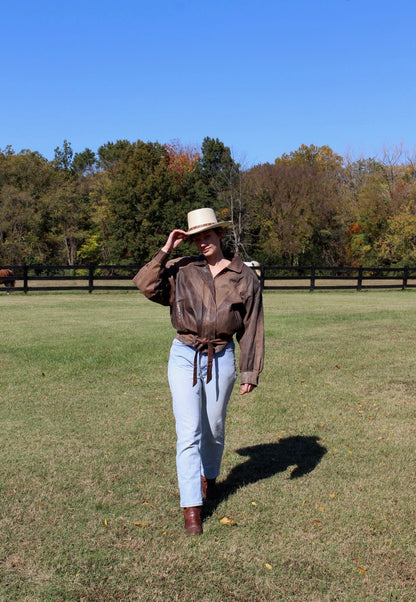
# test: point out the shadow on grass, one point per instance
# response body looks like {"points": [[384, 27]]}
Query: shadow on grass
{"points": [[266, 460]]}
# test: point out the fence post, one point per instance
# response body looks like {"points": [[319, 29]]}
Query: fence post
{"points": [[405, 277], [360, 278], [312, 287], [25, 279], [90, 278]]}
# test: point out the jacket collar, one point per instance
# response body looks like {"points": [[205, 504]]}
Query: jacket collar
{"points": [[236, 264]]}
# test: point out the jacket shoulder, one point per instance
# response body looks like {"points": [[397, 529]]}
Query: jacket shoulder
{"points": [[249, 275], [174, 265]]}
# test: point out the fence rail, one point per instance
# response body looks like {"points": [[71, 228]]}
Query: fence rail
{"points": [[118, 277]]}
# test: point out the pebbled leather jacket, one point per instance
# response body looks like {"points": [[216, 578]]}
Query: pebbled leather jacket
{"points": [[205, 311]]}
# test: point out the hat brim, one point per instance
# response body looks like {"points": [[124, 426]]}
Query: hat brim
{"points": [[209, 227]]}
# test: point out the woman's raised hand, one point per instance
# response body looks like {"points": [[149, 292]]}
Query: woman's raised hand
{"points": [[174, 239]]}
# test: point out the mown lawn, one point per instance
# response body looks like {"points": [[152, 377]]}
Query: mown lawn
{"points": [[318, 480]]}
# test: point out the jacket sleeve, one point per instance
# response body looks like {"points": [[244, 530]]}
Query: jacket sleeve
{"points": [[251, 337], [154, 280]]}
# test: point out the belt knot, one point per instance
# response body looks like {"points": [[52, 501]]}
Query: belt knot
{"points": [[201, 345]]}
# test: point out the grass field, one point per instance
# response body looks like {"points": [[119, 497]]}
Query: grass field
{"points": [[318, 479]]}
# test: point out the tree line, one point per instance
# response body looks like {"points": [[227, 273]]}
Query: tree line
{"points": [[116, 206]]}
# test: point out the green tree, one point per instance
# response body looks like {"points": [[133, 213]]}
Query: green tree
{"points": [[63, 157], [96, 247], [84, 163], [111, 153], [67, 206], [221, 186], [68, 211], [24, 180], [144, 200]]}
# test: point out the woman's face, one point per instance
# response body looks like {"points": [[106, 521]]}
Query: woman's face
{"points": [[208, 243]]}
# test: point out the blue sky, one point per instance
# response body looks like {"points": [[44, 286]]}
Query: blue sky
{"points": [[263, 76]]}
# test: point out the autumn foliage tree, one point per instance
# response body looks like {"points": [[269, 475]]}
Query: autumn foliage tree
{"points": [[181, 159], [298, 206]]}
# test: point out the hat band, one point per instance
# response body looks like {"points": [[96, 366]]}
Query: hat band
{"points": [[203, 225]]}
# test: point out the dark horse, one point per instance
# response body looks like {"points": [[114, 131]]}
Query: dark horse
{"points": [[7, 278]]}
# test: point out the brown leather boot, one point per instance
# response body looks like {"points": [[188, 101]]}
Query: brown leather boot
{"points": [[192, 516], [209, 488]]}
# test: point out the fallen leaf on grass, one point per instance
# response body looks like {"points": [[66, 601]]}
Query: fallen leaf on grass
{"points": [[268, 566], [146, 503], [142, 524], [227, 520]]}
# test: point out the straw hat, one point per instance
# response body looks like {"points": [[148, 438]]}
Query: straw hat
{"points": [[200, 220]]}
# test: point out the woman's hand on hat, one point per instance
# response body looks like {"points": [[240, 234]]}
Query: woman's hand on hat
{"points": [[174, 239]]}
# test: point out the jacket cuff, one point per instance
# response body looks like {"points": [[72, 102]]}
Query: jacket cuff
{"points": [[160, 256], [251, 378]]}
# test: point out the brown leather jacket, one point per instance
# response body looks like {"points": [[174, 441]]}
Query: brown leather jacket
{"points": [[210, 310]]}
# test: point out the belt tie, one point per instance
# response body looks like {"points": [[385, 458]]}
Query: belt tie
{"points": [[202, 344]]}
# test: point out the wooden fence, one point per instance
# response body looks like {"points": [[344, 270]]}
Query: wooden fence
{"points": [[118, 277], [325, 278]]}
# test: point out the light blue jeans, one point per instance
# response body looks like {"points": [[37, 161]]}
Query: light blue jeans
{"points": [[200, 413]]}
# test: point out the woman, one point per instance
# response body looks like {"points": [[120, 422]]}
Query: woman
{"points": [[211, 299]]}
